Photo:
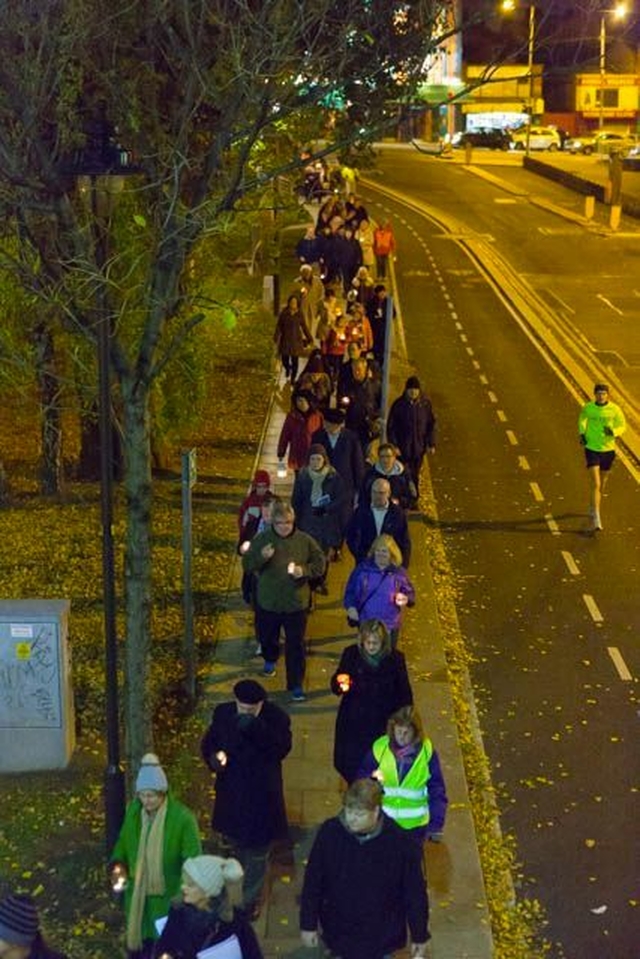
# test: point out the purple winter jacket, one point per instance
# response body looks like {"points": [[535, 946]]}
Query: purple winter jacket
{"points": [[373, 590]]}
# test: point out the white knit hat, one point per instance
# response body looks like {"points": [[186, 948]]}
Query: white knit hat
{"points": [[151, 775], [212, 872]]}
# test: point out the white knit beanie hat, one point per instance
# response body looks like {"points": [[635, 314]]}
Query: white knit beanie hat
{"points": [[151, 775], [212, 872]]}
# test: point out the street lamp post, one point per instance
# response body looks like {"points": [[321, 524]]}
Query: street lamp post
{"points": [[619, 12], [508, 6], [99, 172], [530, 101]]}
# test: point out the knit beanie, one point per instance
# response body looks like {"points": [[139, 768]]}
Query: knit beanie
{"points": [[211, 873], [317, 449], [151, 775], [262, 478], [18, 920], [413, 383]]}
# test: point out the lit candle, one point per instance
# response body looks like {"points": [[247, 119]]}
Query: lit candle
{"points": [[282, 470], [244, 547], [344, 682], [119, 879], [221, 756], [291, 568]]}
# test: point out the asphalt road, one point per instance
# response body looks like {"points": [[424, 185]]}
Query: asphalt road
{"points": [[549, 610]]}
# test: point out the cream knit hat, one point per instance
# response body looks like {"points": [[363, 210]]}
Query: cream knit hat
{"points": [[212, 872]]}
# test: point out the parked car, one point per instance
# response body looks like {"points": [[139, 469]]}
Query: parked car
{"points": [[632, 160], [540, 138], [601, 142], [494, 138]]}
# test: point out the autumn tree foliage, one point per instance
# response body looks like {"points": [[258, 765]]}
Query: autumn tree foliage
{"points": [[202, 94]]}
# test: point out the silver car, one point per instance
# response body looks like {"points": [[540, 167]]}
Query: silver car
{"points": [[603, 142]]}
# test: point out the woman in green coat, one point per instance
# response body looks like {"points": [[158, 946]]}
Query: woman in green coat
{"points": [[157, 835]]}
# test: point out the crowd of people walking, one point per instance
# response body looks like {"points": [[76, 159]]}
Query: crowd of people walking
{"points": [[352, 490]]}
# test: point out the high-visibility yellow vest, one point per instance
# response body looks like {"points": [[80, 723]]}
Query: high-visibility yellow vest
{"points": [[408, 801]]}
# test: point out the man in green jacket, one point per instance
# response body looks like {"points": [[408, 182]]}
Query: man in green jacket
{"points": [[284, 560], [599, 423]]}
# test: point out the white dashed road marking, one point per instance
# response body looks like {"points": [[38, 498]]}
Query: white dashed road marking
{"points": [[592, 606], [537, 492], [621, 667], [572, 566]]}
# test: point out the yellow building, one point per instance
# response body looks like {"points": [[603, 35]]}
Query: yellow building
{"points": [[611, 100]]}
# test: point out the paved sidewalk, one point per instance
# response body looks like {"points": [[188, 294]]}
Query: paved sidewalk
{"points": [[459, 924]]}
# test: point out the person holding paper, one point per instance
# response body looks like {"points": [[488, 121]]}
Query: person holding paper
{"points": [[208, 923]]}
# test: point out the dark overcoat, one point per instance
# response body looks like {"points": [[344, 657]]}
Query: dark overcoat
{"points": [[375, 693], [361, 531], [347, 459], [189, 930], [249, 806], [324, 523], [411, 426]]}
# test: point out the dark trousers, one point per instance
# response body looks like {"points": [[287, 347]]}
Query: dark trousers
{"points": [[147, 952], [290, 364], [413, 465], [268, 625], [381, 265]]}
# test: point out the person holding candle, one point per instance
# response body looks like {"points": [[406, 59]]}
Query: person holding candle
{"points": [[407, 766], [317, 497], [372, 682], [299, 425], [245, 745], [379, 587], [284, 559], [157, 835]]}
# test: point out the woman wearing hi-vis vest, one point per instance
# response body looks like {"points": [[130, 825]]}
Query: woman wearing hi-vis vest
{"points": [[407, 765]]}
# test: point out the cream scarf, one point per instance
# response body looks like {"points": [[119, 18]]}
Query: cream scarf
{"points": [[149, 874], [317, 479]]}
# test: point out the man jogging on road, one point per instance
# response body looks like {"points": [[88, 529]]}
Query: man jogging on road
{"points": [[599, 423]]}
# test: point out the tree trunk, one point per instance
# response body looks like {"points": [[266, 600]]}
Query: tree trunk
{"points": [[137, 482], [51, 473]]}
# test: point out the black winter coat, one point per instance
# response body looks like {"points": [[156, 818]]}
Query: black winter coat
{"points": [[324, 522], [346, 457], [375, 693], [364, 894], [188, 930], [362, 409], [249, 806], [398, 480], [411, 426], [361, 531]]}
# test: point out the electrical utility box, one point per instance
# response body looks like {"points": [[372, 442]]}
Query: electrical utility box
{"points": [[37, 723]]}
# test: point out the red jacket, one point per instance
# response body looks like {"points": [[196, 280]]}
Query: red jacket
{"points": [[384, 241], [296, 434]]}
